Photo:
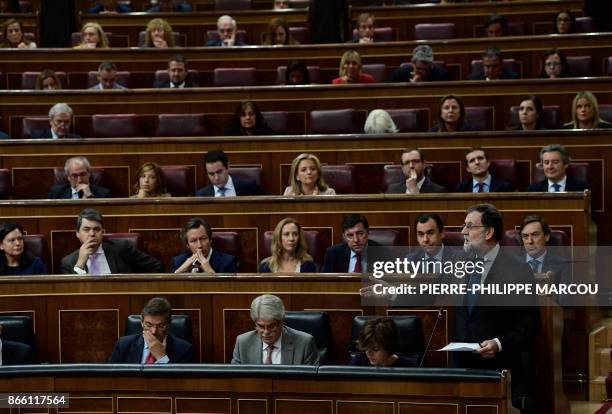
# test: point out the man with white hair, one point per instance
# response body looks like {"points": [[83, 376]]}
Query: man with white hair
{"points": [[226, 30], [78, 172], [271, 342], [60, 120]]}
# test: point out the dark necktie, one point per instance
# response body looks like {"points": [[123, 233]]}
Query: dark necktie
{"points": [[357, 268], [535, 265], [556, 187], [480, 187], [270, 349], [472, 297], [222, 191]]}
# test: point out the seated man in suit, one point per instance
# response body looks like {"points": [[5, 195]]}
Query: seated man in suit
{"points": [[272, 342], [352, 255], [226, 28], [178, 75], [97, 257], [413, 166], [281, 4], [430, 237], [477, 164], [14, 353], [155, 345], [197, 235], [493, 68], [78, 172], [555, 159], [422, 68], [107, 77], [60, 120], [495, 25], [109, 7], [170, 6], [222, 184], [365, 28]]}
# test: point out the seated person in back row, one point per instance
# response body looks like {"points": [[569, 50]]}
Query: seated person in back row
{"points": [[60, 120], [97, 257], [109, 7], [376, 342], [107, 77], [226, 30], [289, 251], [493, 67], [422, 68], [165, 6], [155, 345], [78, 172], [222, 184], [480, 181], [201, 258], [178, 74], [413, 167], [555, 160]]}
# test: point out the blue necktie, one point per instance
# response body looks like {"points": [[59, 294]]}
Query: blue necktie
{"points": [[556, 187], [222, 191], [472, 297], [535, 265]]}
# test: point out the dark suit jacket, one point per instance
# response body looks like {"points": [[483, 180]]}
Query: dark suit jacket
{"points": [[3, 135], [221, 262], [64, 191], [505, 74], [243, 188], [338, 256], [571, 184], [122, 257], [46, 133], [189, 83], [404, 74], [16, 353], [497, 186], [128, 350], [219, 42], [427, 187]]}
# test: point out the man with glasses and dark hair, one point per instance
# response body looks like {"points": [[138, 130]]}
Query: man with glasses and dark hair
{"points": [[98, 257], [352, 255], [271, 342], [413, 167], [201, 258], [78, 172], [227, 30], [60, 120], [155, 345]]}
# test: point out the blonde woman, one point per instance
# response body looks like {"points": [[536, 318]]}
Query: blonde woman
{"points": [[585, 113], [159, 34], [350, 70], [289, 250], [92, 37], [306, 177], [150, 182]]}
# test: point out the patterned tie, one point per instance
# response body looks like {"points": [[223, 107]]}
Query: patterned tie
{"points": [[556, 187], [94, 266], [535, 265], [150, 359], [357, 268], [269, 356], [480, 187], [222, 191], [472, 297]]}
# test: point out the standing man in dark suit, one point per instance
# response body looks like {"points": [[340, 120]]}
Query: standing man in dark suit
{"points": [[555, 159], [493, 67], [226, 30], [78, 172], [14, 353], [222, 184], [97, 257], [477, 163], [506, 334], [60, 120], [155, 345], [352, 255], [413, 166], [201, 258], [178, 74]]}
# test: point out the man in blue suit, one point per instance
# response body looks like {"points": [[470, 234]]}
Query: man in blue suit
{"points": [[477, 164], [555, 160], [155, 345], [222, 184], [197, 234]]}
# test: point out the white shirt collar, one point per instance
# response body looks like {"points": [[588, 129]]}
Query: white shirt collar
{"points": [[560, 182], [229, 185]]}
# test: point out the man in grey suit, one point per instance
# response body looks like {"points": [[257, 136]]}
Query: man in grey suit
{"points": [[272, 342], [413, 166]]}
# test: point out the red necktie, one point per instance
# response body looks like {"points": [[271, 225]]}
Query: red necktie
{"points": [[480, 187], [150, 359], [357, 268], [269, 356]]}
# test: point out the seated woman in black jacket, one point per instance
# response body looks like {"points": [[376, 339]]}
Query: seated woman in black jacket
{"points": [[248, 120], [376, 341]]}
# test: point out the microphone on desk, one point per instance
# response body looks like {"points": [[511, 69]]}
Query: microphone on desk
{"points": [[433, 331]]}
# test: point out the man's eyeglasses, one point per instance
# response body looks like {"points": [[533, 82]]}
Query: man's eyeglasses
{"points": [[552, 64], [470, 226], [161, 326], [78, 175]]}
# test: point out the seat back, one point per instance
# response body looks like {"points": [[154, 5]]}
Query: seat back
{"points": [[377, 70], [340, 178], [97, 176], [410, 339], [6, 186], [453, 238], [316, 324], [407, 120], [385, 237], [299, 4], [18, 328], [75, 38], [180, 326], [247, 174], [181, 125], [314, 241], [518, 29], [233, 5], [228, 242], [558, 238], [124, 78], [115, 125], [36, 244], [605, 111], [381, 34], [480, 117], [477, 66], [301, 34], [580, 65], [28, 79], [235, 77], [180, 180], [214, 35], [336, 121], [178, 39], [393, 174], [578, 170], [551, 116], [278, 121], [609, 66], [586, 24], [314, 72], [132, 238], [434, 31], [33, 123], [505, 170]]}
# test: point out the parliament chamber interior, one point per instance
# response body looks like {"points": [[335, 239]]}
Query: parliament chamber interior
{"points": [[304, 133]]}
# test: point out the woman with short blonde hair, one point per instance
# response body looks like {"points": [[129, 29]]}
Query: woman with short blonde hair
{"points": [[350, 70], [306, 177], [92, 37]]}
